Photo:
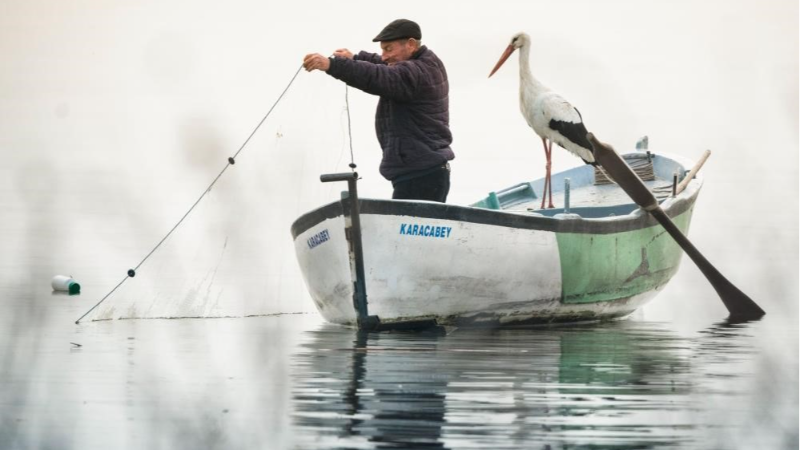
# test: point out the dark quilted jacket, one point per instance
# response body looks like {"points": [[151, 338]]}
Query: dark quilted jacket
{"points": [[412, 120]]}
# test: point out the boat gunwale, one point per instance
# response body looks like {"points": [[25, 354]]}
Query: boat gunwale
{"points": [[563, 223]]}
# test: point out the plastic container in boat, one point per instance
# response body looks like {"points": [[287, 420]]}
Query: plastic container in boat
{"points": [[65, 283]]}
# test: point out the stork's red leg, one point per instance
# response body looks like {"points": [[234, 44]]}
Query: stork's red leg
{"points": [[549, 164], [547, 172]]}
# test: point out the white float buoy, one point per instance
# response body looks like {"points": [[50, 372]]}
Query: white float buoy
{"points": [[66, 283]]}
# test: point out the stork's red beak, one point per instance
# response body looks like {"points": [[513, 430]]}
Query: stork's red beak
{"points": [[503, 58]]}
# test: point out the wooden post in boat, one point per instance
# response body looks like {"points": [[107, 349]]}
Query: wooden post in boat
{"points": [[674, 184], [353, 234], [352, 231]]}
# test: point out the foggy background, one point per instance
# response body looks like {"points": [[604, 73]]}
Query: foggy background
{"points": [[115, 117]]}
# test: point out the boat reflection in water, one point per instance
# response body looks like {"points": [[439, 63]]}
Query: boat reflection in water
{"points": [[622, 384]]}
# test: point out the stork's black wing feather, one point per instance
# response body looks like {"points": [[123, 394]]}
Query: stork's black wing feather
{"points": [[575, 132]]}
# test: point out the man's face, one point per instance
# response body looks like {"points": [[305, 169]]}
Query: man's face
{"points": [[396, 51]]}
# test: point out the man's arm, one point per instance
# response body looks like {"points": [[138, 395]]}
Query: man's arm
{"points": [[316, 61], [398, 82], [374, 58]]}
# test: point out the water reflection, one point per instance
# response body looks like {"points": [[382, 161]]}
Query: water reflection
{"points": [[623, 385]]}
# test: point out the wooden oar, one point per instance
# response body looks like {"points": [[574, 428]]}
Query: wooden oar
{"points": [[699, 164], [738, 303]]}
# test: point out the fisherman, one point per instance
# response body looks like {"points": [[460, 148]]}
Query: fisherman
{"points": [[413, 118]]}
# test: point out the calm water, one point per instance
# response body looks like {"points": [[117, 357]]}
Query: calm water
{"points": [[672, 375], [631, 384], [291, 381]]}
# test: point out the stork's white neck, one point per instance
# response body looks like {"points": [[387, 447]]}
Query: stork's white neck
{"points": [[529, 85]]}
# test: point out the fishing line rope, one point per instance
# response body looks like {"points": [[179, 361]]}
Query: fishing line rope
{"points": [[231, 161], [349, 130]]}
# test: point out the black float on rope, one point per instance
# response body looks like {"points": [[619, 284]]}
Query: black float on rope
{"points": [[231, 161], [349, 129]]}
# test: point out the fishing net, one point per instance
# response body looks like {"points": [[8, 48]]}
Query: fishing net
{"points": [[233, 254]]}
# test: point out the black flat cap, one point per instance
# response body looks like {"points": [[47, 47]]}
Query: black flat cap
{"points": [[399, 29]]}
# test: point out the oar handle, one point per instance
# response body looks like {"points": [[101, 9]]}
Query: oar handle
{"points": [[692, 172]]}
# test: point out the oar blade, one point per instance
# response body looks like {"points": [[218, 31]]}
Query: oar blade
{"points": [[739, 305]]}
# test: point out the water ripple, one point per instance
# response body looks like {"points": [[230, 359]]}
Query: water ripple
{"points": [[619, 385]]}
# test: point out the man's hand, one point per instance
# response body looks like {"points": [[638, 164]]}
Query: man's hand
{"points": [[315, 61], [343, 53]]}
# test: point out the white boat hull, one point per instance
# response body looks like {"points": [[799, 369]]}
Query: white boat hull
{"points": [[471, 266]]}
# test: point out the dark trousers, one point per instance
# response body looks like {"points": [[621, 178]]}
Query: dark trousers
{"points": [[433, 186]]}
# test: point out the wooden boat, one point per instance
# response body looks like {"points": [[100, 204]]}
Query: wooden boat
{"points": [[501, 260]]}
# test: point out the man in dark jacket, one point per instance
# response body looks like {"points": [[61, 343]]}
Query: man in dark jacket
{"points": [[413, 119]]}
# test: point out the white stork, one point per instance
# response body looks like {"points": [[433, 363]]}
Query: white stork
{"points": [[550, 116]]}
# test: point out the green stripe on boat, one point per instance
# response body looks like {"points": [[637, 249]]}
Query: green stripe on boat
{"points": [[601, 267]]}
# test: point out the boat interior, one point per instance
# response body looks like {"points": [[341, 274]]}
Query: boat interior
{"points": [[587, 191]]}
